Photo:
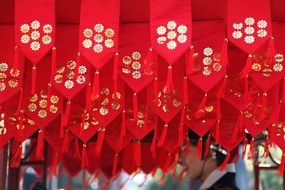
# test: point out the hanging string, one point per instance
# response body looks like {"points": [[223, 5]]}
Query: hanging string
{"points": [[169, 81], [185, 90], [53, 63], [224, 53], [100, 140], [96, 85], [88, 97], [34, 79], [115, 72], [135, 106], [84, 157], [199, 149], [222, 88], [115, 164]]}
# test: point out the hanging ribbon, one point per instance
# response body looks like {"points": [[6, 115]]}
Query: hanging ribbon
{"points": [[200, 149], [163, 135], [96, 85], [16, 157], [185, 90], [135, 106], [190, 60], [34, 79], [84, 157], [40, 145], [115, 164], [100, 140]]}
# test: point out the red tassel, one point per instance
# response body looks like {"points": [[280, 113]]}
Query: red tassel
{"points": [[84, 157], [135, 106], [222, 88], [199, 149], [65, 144], [237, 128], [252, 149], [226, 161], [187, 148], [271, 50], [281, 165], [153, 144], [163, 135], [218, 110], [21, 121], [115, 164], [100, 140], [77, 151], [262, 113], [54, 165], [16, 158], [34, 79], [169, 81], [202, 106], [247, 66], [146, 117], [207, 146], [40, 145], [218, 136], [283, 90], [115, 72], [53, 63], [246, 94], [88, 97], [224, 54], [149, 61], [48, 96], [167, 162], [62, 127], [67, 112], [20, 103], [16, 58], [181, 174], [276, 114], [185, 90], [244, 145], [123, 126], [96, 85], [156, 89], [137, 152], [190, 61], [266, 148], [180, 127]]}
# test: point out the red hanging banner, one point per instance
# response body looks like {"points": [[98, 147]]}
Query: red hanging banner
{"points": [[249, 23], [171, 26], [35, 27], [99, 30]]}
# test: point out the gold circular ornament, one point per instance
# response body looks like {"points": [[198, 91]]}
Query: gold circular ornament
{"points": [[217, 67], [13, 83], [42, 113], [43, 103], [34, 98], [127, 60], [53, 109], [136, 55], [256, 67], [109, 32], [15, 72], [54, 99], [103, 111], [32, 107], [58, 79], [136, 65], [278, 67]]}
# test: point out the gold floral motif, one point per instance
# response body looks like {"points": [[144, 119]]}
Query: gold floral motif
{"points": [[98, 38], [15, 72], [87, 33], [81, 79], [109, 43], [256, 67], [105, 91], [35, 24], [279, 58], [47, 28], [126, 70], [13, 83], [25, 28], [176, 103], [2, 86], [136, 75], [69, 84], [71, 65], [58, 79], [34, 98], [35, 46], [25, 39], [277, 67], [46, 39], [127, 60], [43, 103], [54, 99], [207, 71], [3, 76], [32, 107], [136, 65], [217, 67], [70, 75], [266, 72], [115, 105], [42, 113], [35, 35], [209, 108], [109, 33], [99, 28], [103, 111], [3, 67], [53, 109], [105, 101], [136, 55]]}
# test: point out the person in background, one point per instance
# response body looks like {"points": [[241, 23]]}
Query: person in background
{"points": [[207, 170], [39, 186]]}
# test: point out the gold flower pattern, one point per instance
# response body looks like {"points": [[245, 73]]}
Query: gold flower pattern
{"points": [[171, 34], [98, 38], [38, 103], [36, 34], [132, 66], [249, 29], [262, 64], [167, 101], [70, 75], [211, 62], [9, 78]]}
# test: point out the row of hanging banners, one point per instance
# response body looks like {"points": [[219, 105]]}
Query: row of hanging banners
{"points": [[106, 96]]}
